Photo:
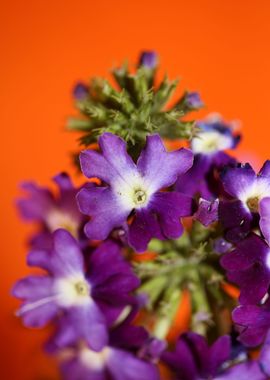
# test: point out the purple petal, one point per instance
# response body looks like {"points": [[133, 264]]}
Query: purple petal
{"points": [[207, 212], [93, 164], [115, 152], [105, 211], [144, 227], [63, 181], [236, 219], [195, 179], [39, 306], [66, 258], [253, 282], [265, 170], [255, 321], [133, 368], [170, 207], [264, 359], [88, 324], [159, 167], [37, 204], [219, 353], [75, 369], [247, 252], [243, 371], [265, 217], [106, 261], [236, 181]]}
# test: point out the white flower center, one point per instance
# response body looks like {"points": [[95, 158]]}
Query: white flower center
{"points": [[133, 192], [252, 195], [94, 360], [56, 218], [72, 291], [210, 142]]}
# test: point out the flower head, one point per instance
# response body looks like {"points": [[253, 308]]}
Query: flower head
{"points": [[132, 188], [78, 297]]}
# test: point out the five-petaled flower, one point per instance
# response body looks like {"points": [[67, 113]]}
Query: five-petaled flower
{"points": [[134, 190], [80, 296]]}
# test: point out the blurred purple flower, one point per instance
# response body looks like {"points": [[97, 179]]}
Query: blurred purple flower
{"points": [[79, 298]]}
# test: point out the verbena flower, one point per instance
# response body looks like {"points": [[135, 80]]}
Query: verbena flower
{"points": [[73, 294], [50, 211], [239, 213], [134, 190], [248, 266], [121, 359], [193, 359], [209, 146]]}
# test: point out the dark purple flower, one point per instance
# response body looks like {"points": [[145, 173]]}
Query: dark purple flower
{"points": [[134, 188], [207, 212], [80, 91], [193, 101], [248, 266], [149, 59], [193, 359], [246, 191], [215, 136], [77, 297], [121, 359], [52, 212]]}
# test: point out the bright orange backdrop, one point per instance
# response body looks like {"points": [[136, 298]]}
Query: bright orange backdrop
{"points": [[220, 48]]}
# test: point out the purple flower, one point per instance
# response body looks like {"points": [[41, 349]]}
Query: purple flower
{"points": [[246, 191], [207, 212], [208, 146], [193, 101], [149, 59], [121, 359], [193, 359], [76, 296], [135, 189], [50, 211], [248, 266], [80, 91]]}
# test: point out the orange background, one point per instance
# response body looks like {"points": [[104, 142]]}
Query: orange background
{"points": [[220, 48]]}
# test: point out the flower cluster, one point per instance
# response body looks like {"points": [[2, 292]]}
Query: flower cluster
{"points": [[202, 216]]}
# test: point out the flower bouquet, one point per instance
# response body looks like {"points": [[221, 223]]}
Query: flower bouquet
{"points": [[158, 266]]}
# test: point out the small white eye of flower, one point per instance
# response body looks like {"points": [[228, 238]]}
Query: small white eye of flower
{"points": [[72, 291]]}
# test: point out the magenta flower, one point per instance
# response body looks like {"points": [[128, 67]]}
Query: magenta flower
{"points": [[134, 190], [76, 296]]}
